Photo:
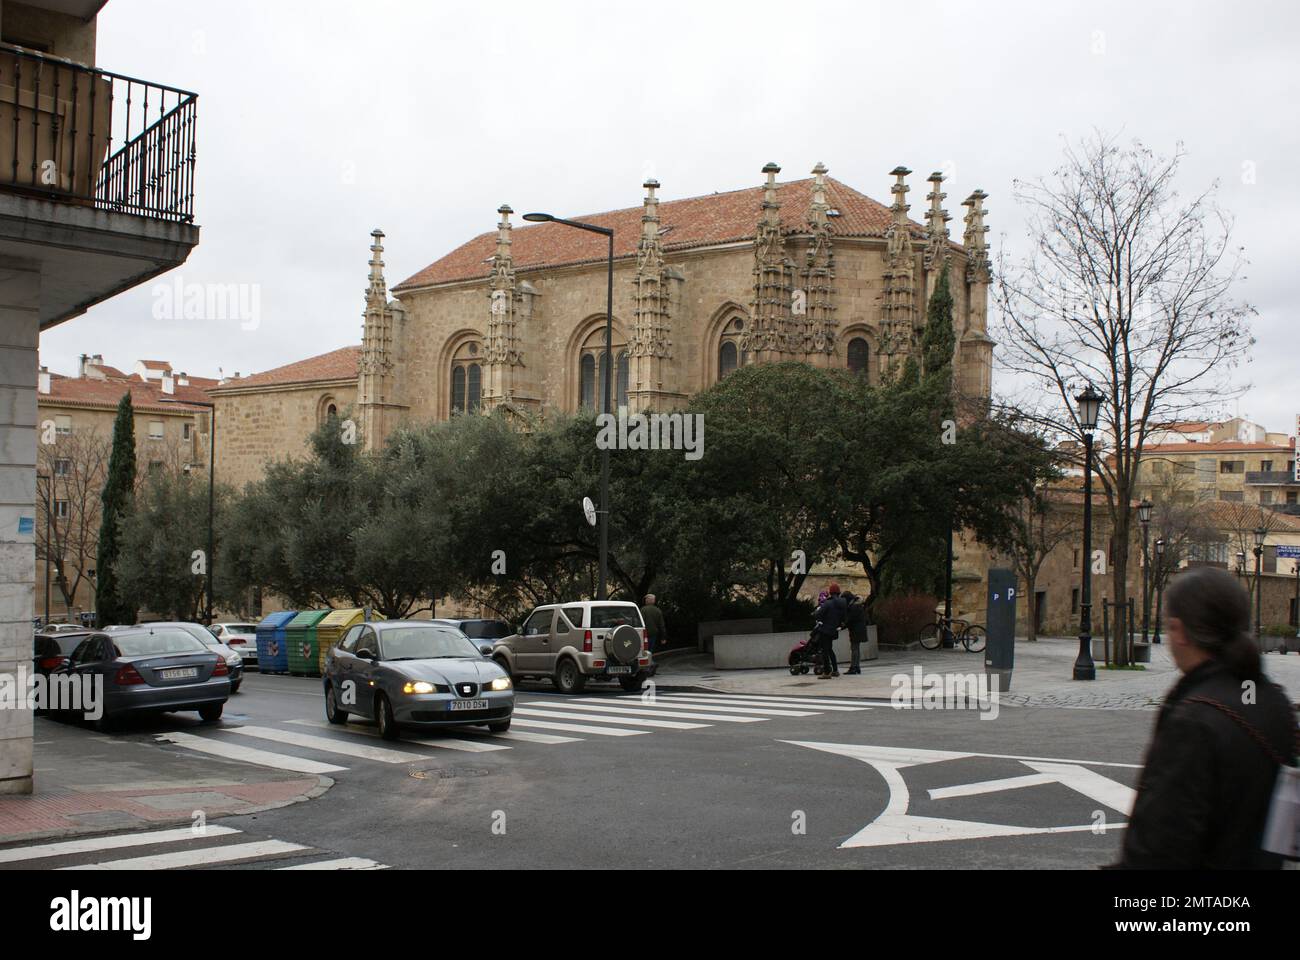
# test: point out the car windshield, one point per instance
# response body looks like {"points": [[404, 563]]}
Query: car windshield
{"points": [[156, 643], [425, 643], [241, 628], [486, 629], [604, 617]]}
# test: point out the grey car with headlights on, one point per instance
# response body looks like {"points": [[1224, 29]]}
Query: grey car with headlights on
{"points": [[415, 674]]}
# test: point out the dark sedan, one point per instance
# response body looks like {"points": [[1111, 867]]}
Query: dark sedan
{"points": [[147, 670], [415, 674]]}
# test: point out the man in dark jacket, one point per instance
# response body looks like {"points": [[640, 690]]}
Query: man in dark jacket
{"points": [[654, 622], [1224, 731], [830, 617], [856, 620]]}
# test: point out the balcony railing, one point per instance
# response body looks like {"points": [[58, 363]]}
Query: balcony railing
{"points": [[83, 135], [1272, 478]]}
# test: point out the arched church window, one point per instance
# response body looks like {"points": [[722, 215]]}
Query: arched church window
{"points": [[726, 358], [591, 384], [466, 379], [859, 355]]}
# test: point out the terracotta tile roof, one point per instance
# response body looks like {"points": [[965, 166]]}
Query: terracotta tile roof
{"points": [[1223, 515], [156, 364], [105, 395], [696, 222], [1227, 446], [337, 365], [111, 372]]}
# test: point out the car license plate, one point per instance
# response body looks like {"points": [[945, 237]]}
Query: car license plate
{"points": [[467, 705], [183, 673], [618, 670]]}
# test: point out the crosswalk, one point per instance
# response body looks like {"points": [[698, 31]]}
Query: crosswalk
{"points": [[181, 848], [318, 747]]}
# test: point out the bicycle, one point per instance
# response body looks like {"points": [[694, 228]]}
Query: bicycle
{"points": [[972, 636]]}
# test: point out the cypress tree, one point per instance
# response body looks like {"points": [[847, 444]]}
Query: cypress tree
{"points": [[119, 493], [939, 340]]}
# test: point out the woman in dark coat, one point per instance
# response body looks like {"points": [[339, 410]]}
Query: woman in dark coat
{"points": [[1204, 793]]}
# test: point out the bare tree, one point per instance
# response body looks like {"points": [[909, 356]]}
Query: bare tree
{"points": [[1236, 524], [1129, 287], [73, 469], [1038, 525]]}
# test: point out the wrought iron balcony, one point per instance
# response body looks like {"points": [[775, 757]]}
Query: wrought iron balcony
{"points": [[1272, 478], [86, 136]]}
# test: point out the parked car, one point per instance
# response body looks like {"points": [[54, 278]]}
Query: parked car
{"points": [[416, 674], [234, 662], [54, 629], [153, 669], [573, 643], [51, 652], [481, 630], [240, 637]]}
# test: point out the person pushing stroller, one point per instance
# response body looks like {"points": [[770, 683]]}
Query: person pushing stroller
{"points": [[830, 616]]}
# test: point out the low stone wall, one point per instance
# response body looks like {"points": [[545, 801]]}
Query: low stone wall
{"points": [[709, 629], [766, 650]]}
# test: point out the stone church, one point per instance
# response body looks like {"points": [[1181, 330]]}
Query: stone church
{"points": [[807, 270]]}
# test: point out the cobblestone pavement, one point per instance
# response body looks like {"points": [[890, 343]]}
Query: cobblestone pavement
{"points": [[1042, 677]]}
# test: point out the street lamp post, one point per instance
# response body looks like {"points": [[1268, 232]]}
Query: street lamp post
{"points": [[212, 488], [601, 590], [1144, 517], [47, 478], [1160, 584], [1089, 403], [1261, 534]]}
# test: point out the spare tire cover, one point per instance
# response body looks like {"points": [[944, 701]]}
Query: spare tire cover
{"points": [[624, 644]]}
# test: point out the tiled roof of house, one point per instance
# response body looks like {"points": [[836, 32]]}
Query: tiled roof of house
{"points": [[1227, 446], [106, 394], [338, 364], [718, 218], [1223, 515]]}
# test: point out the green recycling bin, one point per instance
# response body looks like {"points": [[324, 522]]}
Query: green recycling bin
{"points": [[301, 643]]}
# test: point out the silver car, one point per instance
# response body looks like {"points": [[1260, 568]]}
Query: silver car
{"points": [[240, 637], [408, 673], [572, 643]]}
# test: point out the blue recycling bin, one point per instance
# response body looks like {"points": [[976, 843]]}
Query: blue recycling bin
{"points": [[272, 650]]}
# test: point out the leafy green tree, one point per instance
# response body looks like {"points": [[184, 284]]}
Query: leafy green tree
{"points": [[939, 340], [111, 605]]}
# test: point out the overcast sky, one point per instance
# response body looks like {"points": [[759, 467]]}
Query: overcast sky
{"points": [[319, 121]]}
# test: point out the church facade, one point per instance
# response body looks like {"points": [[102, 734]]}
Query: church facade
{"points": [[809, 270]]}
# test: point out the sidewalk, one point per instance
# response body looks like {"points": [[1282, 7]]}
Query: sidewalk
{"points": [[1042, 676], [89, 783]]}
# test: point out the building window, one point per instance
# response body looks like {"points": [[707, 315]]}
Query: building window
{"points": [[1205, 470], [62, 510], [587, 382], [1266, 466], [155, 467], [155, 429], [62, 468], [1074, 601], [466, 388], [1231, 496], [1232, 466], [63, 425], [187, 431], [859, 356], [1266, 496], [1291, 496], [728, 358]]}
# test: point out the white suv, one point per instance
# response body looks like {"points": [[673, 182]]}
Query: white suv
{"points": [[571, 643]]}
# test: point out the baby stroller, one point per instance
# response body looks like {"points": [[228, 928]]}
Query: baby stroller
{"points": [[806, 656]]}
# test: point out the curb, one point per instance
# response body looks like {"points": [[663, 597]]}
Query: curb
{"points": [[323, 784]]}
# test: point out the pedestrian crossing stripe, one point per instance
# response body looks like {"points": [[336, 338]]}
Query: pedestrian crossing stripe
{"points": [[721, 699], [716, 708], [236, 751], [631, 721], [444, 743], [203, 855], [651, 711], [577, 728]]}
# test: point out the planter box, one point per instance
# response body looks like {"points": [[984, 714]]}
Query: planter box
{"points": [[767, 650], [1141, 653]]}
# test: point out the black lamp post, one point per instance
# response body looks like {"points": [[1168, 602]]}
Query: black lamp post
{"points": [[212, 473], [609, 376], [48, 543], [1144, 518], [1160, 584], [1261, 534], [1089, 403]]}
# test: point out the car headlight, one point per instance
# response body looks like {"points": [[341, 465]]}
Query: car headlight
{"points": [[500, 683], [421, 686]]}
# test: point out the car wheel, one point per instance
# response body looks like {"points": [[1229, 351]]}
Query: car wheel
{"points": [[501, 662], [568, 678], [211, 712], [501, 727], [631, 684], [235, 688], [333, 712], [384, 717]]}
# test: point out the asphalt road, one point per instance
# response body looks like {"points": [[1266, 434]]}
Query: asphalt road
{"points": [[691, 780]]}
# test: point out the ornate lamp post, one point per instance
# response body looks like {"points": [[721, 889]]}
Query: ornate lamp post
{"points": [[1144, 517], [610, 373], [1089, 404], [1261, 534], [1160, 584]]}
